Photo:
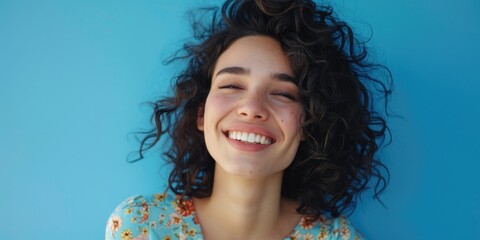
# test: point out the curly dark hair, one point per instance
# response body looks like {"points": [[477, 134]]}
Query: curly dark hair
{"points": [[339, 88]]}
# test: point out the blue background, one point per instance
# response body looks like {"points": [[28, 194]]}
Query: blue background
{"points": [[74, 75]]}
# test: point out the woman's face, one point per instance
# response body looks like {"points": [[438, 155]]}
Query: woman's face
{"points": [[252, 116]]}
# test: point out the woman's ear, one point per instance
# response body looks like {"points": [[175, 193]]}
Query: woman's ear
{"points": [[200, 118]]}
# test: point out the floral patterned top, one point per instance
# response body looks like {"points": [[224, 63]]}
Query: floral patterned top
{"points": [[166, 217]]}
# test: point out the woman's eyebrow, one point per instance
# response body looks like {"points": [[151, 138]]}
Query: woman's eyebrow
{"points": [[244, 71], [233, 70], [283, 77]]}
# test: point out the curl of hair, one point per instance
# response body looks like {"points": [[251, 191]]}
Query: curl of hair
{"points": [[338, 85]]}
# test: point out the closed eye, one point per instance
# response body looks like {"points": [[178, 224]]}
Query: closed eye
{"points": [[286, 95], [229, 86]]}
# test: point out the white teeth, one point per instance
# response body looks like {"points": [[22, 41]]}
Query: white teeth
{"points": [[244, 137], [249, 137]]}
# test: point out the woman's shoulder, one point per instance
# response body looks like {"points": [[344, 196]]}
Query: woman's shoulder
{"points": [[159, 200], [145, 216], [326, 228]]}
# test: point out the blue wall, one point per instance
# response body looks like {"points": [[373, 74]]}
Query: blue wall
{"points": [[73, 76]]}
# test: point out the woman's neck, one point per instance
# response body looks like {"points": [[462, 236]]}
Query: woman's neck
{"points": [[246, 208]]}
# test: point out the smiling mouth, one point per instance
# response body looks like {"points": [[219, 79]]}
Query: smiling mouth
{"points": [[252, 138]]}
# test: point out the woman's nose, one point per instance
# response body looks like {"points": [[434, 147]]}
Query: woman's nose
{"points": [[253, 106]]}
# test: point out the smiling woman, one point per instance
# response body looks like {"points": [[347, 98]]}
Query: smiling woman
{"points": [[252, 102], [273, 128]]}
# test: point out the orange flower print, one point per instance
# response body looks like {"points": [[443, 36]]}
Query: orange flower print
{"points": [[128, 211], [324, 233], [161, 218], [160, 197], [295, 235], [141, 237], [324, 220], [185, 208], [195, 219], [336, 232], [308, 236], [345, 233], [144, 212], [322, 236], [153, 224], [184, 227], [192, 232], [306, 224], [344, 229], [167, 238], [174, 219], [127, 234], [181, 236], [115, 223]]}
